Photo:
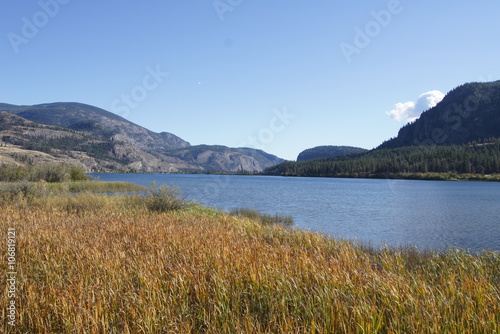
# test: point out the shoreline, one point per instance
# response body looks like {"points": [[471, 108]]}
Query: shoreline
{"points": [[94, 262], [383, 176]]}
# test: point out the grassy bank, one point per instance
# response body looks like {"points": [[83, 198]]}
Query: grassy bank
{"points": [[42, 188], [92, 263], [262, 217]]}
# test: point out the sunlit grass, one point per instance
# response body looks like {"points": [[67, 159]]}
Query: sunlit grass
{"points": [[98, 186], [108, 264], [74, 186], [262, 217]]}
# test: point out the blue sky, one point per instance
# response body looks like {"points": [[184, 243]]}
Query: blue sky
{"points": [[282, 76]]}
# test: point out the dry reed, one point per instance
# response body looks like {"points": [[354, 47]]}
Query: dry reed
{"points": [[100, 264]]}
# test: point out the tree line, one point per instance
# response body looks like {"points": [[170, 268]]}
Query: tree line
{"points": [[478, 157]]}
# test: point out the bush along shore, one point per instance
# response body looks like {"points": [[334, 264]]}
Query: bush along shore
{"points": [[153, 263]]}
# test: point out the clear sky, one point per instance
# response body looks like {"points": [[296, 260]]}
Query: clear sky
{"points": [[278, 75]]}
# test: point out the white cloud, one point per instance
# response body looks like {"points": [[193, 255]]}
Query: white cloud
{"points": [[410, 111]]}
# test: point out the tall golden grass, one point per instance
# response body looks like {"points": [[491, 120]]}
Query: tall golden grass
{"points": [[99, 264]]}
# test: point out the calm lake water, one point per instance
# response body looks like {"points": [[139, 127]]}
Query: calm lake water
{"points": [[425, 214]]}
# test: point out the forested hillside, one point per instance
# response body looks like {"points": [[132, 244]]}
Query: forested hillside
{"points": [[467, 113], [479, 157], [328, 152], [460, 135]]}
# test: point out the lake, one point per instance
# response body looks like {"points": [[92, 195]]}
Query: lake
{"points": [[425, 214]]}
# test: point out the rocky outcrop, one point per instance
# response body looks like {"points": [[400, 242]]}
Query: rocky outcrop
{"points": [[222, 158], [102, 141]]}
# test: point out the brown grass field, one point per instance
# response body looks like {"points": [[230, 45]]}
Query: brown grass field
{"points": [[91, 263]]}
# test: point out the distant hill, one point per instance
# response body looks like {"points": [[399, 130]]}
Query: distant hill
{"points": [[412, 162], [99, 140], [221, 158], [23, 141], [328, 152], [460, 135], [80, 116], [467, 113]]}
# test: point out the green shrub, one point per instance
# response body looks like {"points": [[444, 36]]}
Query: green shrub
{"points": [[57, 173], [11, 173], [48, 173], [22, 192], [77, 174], [163, 199], [45, 172]]}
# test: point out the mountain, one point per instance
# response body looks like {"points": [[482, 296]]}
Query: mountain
{"points": [[410, 162], [467, 113], [80, 116], [328, 152], [102, 141], [22, 141], [460, 135], [221, 158]]}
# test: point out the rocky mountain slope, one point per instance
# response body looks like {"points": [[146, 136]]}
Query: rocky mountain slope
{"points": [[78, 116], [221, 158], [99, 140]]}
